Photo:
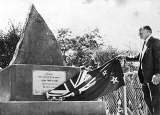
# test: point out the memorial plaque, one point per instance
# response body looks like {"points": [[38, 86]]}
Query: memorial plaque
{"points": [[44, 81]]}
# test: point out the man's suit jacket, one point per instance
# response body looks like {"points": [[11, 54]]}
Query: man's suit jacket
{"points": [[150, 61]]}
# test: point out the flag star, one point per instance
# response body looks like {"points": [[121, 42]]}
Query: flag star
{"points": [[104, 72], [114, 79]]}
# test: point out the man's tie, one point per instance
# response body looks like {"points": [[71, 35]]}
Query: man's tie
{"points": [[143, 45]]}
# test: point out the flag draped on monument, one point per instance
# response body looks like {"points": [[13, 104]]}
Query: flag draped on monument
{"points": [[90, 85]]}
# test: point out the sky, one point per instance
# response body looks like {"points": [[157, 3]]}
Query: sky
{"points": [[117, 20]]}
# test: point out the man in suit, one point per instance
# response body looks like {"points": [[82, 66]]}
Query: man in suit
{"points": [[149, 69]]}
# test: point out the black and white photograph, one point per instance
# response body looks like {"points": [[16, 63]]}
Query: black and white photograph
{"points": [[79, 57]]}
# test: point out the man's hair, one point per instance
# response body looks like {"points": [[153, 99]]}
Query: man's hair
{"points": [[147, 28]]}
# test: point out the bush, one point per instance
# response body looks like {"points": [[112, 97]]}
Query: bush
{"points": [[8, 42]]}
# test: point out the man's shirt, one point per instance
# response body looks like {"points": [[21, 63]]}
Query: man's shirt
{"points": [[144, 49]]}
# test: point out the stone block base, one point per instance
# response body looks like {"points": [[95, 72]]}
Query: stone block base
{"points": [[52, 108]]}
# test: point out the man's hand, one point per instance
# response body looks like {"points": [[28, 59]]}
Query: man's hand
{"points": [[156, 79], [121, 57]]}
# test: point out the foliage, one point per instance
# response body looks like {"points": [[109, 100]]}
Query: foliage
{"points": [[78, 51], [130, 52], [8, 42], [103, 56]]}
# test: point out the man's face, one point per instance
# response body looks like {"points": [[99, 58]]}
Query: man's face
{"points": [[143, 33]]}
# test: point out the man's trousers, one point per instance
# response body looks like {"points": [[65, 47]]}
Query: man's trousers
{"points": [[152, 97]]}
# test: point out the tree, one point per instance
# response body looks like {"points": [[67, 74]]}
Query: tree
{"points": [[8, 42], [79, 50], [103, 56]]}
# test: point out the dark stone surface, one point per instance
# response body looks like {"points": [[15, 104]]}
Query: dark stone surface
{"points": [[16, 81], [52, 108], [37, 44]]}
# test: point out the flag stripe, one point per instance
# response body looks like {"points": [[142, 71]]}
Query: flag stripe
{"points": [[81, 78]]}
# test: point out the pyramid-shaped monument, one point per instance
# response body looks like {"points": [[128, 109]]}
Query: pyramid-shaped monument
{"points": [[37, 44]]}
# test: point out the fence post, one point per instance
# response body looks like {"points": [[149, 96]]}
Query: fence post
{"points": [[125, 98]]}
